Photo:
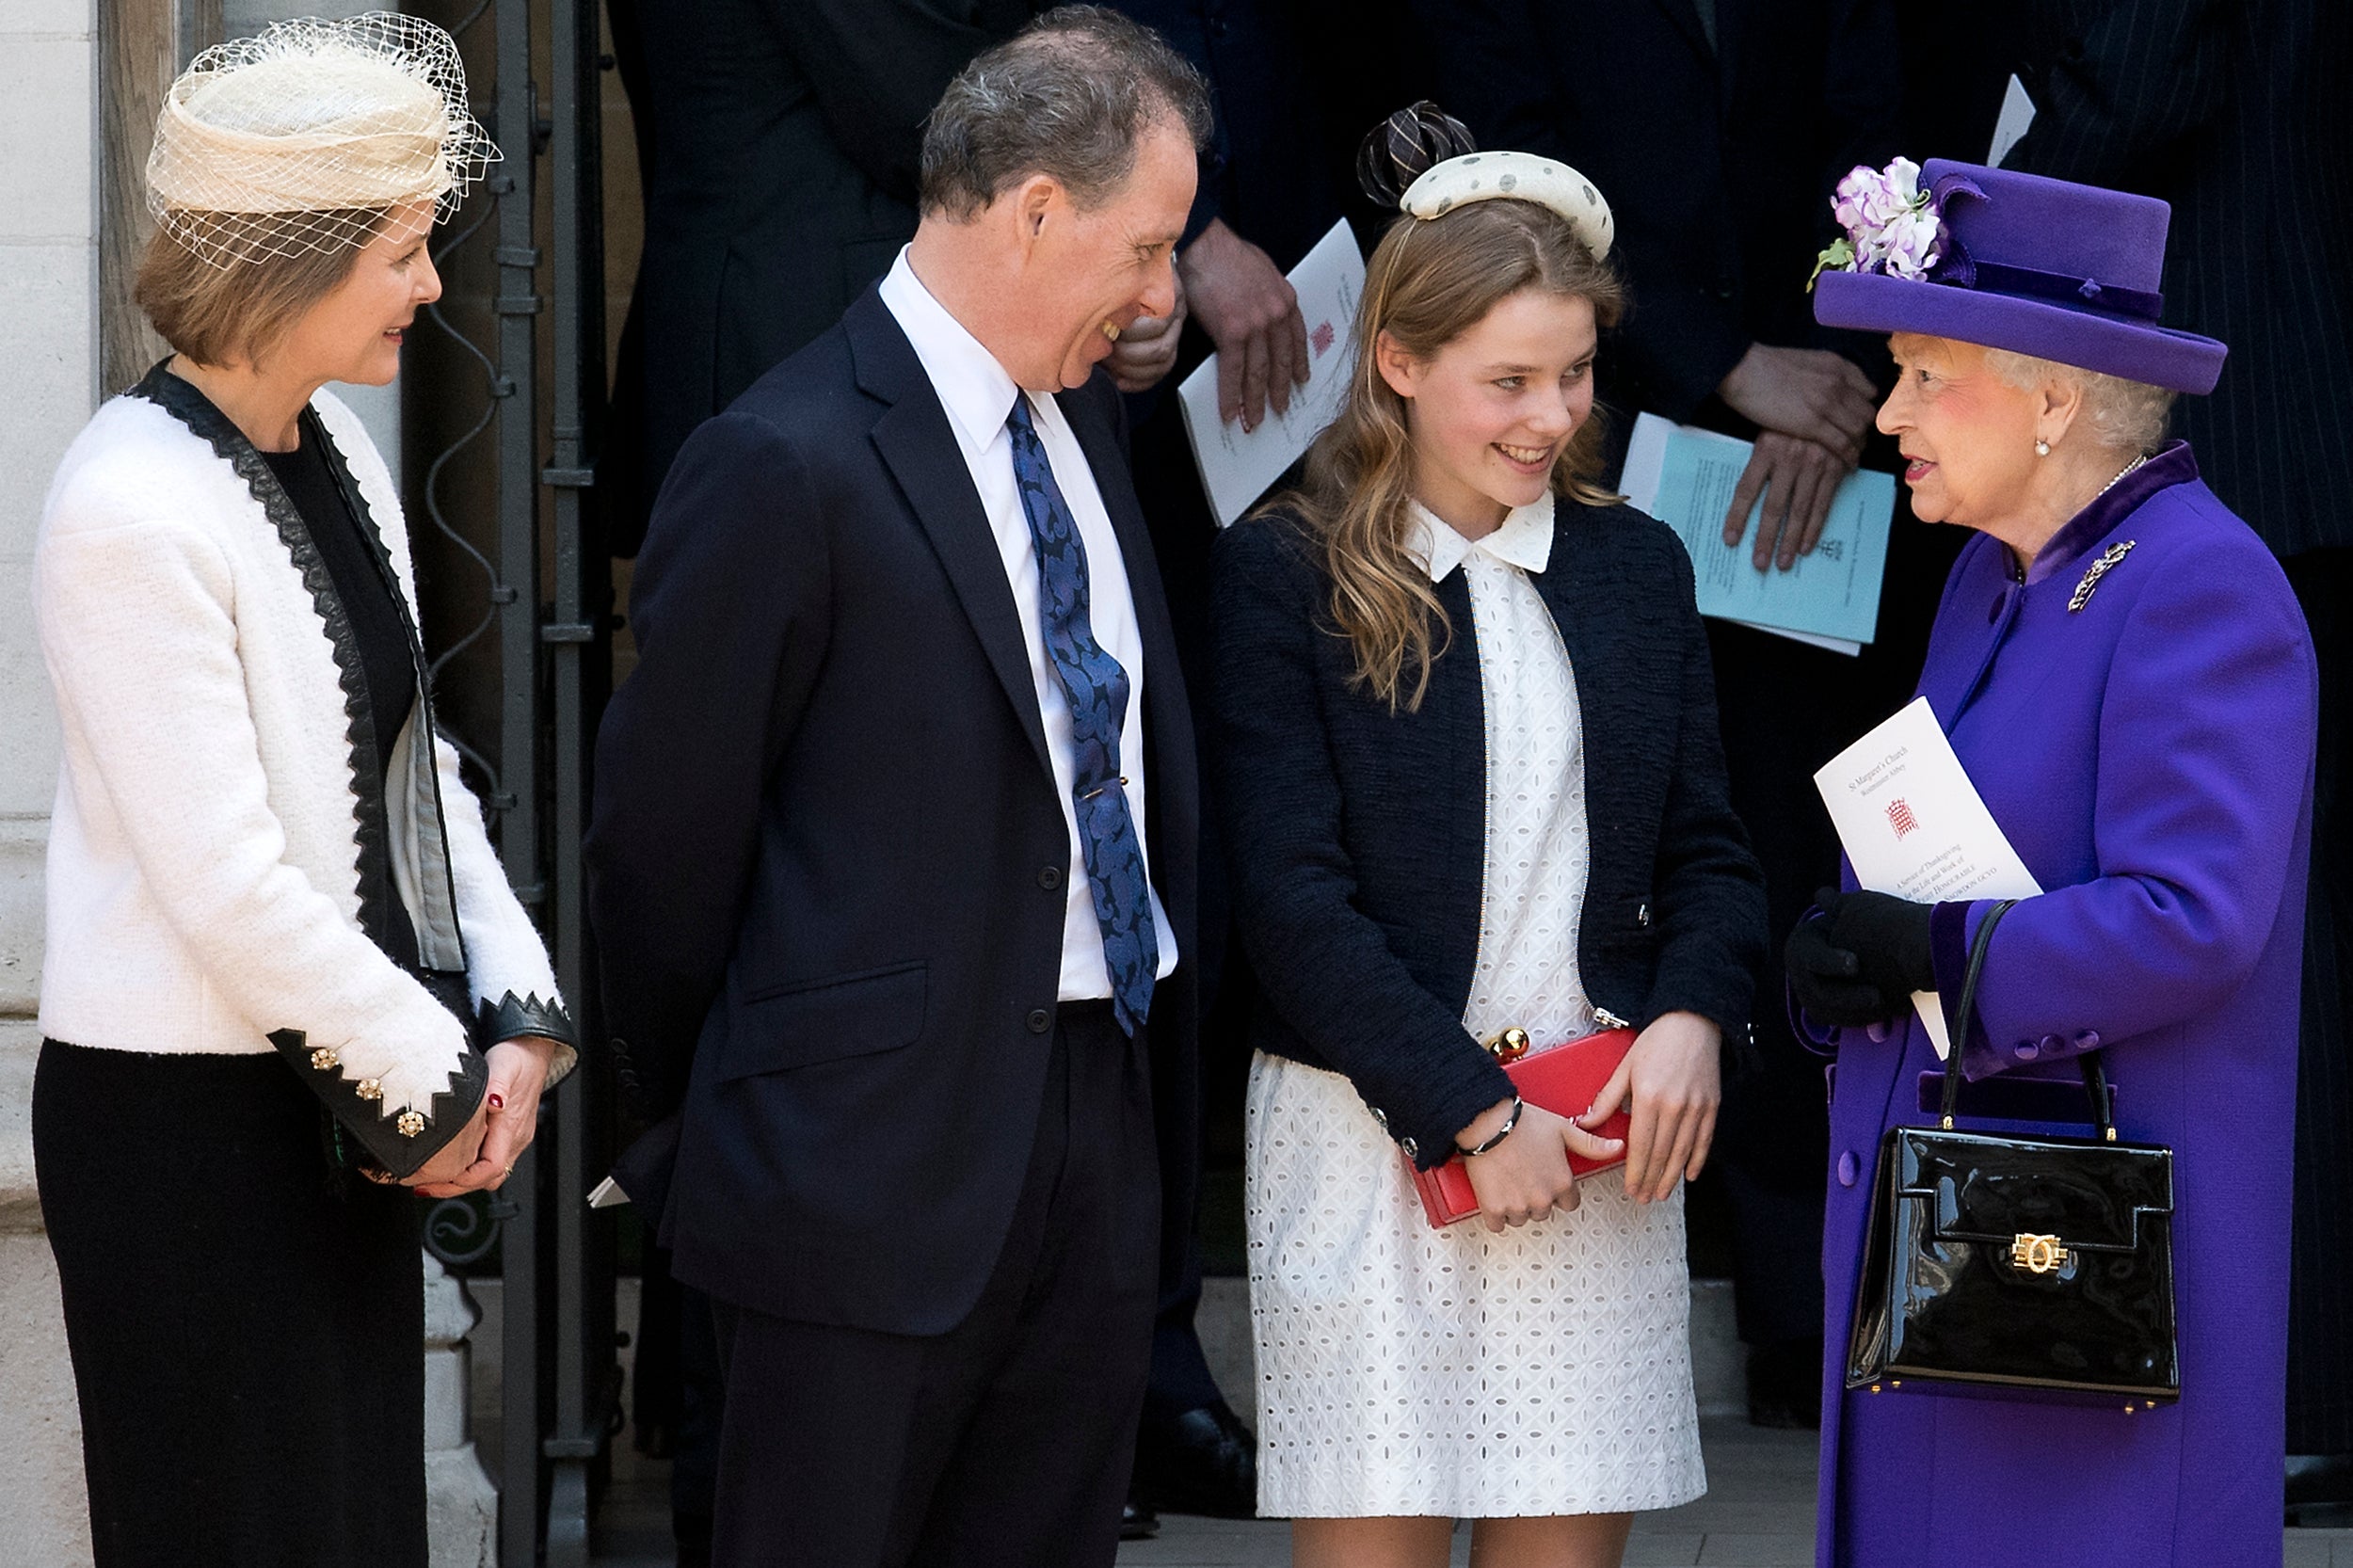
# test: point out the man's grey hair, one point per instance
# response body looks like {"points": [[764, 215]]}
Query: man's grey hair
{"points": [[1070, 96], [2124, 416]]}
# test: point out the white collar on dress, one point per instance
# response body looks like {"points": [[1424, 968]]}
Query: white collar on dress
{"points": [[974, 388], [1524, 540]]}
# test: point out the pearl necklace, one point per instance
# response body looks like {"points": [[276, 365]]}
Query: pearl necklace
{"points": [[2119, 477]]}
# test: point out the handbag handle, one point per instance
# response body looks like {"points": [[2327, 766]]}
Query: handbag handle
{"points": [[2094, 1073]]}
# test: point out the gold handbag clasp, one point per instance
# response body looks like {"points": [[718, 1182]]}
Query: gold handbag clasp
{"points": [[1511, 1045], [2036, 1255]]}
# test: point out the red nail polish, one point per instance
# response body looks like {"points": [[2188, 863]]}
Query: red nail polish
{"points": [[497, 1103]]}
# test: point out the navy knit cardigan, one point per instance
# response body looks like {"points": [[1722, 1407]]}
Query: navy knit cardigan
{"points": [[1356, 836]]}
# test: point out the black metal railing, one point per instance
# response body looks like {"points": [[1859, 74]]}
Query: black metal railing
{"points": [[545, 591]]}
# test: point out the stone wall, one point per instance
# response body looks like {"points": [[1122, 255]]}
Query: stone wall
{"points": [[48, 324]]}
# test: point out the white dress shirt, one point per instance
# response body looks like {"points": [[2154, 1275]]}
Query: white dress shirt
{"points": [[978, 393]]}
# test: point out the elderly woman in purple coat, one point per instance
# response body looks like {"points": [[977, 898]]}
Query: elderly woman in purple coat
{"points": [[2125, 675]]}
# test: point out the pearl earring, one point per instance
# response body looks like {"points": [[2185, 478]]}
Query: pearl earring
{"points": [[2043, 449]]}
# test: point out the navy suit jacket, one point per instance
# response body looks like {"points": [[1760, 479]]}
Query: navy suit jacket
{"points": [[827, 865]]}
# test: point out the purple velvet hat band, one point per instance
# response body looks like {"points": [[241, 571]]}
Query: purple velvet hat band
{"points": [[2061, 271]]}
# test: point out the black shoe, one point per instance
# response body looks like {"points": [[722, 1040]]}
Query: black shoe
{"points": [[2320, 1490], [1202, 1462], [1786, 1386], [1137, 1522]]}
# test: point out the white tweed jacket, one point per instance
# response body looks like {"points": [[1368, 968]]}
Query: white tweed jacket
{"points": [[204, 852]]}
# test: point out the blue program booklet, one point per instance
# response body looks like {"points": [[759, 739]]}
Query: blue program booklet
{"points": [[1685, 479]]}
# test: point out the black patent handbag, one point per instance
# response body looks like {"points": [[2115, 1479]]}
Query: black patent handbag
{"points": [[2018, 1267]]}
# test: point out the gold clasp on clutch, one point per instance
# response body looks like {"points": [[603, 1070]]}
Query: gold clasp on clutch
{"points": [[2036, 1255], [1511, 1045]]}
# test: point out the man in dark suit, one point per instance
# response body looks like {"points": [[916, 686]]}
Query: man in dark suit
{"points": [[780, 141], [1717, 131], [892, 861], [2234, 113]]}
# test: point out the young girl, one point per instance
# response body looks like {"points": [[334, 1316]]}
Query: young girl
{"points": [[1467, 755]]}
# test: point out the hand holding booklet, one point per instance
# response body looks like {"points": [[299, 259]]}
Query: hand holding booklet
{"points": [[1685, 477], [1914, 825], [1238, 466]]}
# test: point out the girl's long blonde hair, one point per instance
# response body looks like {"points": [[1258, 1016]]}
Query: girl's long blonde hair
{"points": [[1427, 285]]}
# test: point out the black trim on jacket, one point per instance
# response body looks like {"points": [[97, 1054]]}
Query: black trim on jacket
{"points": [[399, 1143]]}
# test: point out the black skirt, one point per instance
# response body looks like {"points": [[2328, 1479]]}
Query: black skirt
{"points": [[247, 1323]]}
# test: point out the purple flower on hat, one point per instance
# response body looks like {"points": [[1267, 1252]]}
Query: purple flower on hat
{"points": [[1893, 226]]}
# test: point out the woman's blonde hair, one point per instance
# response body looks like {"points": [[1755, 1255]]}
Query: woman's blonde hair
{"points": [[220, 316], [1427, 285]]}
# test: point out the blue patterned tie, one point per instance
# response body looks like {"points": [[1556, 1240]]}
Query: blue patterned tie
{"points": [[1098, 690]]}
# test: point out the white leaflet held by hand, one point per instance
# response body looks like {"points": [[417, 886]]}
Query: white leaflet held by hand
{"points": [[1914, 825], [1236, 468]]}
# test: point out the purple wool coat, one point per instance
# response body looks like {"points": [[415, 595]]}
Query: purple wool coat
{"points": [[2149, 754]]}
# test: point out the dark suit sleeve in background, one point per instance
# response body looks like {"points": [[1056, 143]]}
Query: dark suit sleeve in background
{"points": [[2111, 94], [876, 67], [730, 610]]}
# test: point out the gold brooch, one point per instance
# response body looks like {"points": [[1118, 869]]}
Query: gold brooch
{"points": [[323, 1060], [411, 1124], [2115, 552]]}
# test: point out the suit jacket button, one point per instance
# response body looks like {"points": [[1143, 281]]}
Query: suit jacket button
{"points": [[1040, 1021], [1050, 878]]}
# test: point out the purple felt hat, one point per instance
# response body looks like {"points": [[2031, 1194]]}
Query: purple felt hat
{"points": [[2061, 271]]}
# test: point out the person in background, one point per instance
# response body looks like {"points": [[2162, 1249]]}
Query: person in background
{"points": [[1260, 204], [2234, 114], [1719, 128], [783, 137], [1468, 764], [905, 942], [2125, 676], [282, 957]]}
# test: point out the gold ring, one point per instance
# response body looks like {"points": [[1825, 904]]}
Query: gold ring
{"points": [[1111, 330], [508, 1172]]}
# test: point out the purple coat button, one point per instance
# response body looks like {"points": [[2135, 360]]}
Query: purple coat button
{"points": [[2088, 1039], [1849, 1169], [2026, 1051], [1876, 1032]]}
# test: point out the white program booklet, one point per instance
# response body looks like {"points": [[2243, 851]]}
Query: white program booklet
{"points": [[2016, 119], [1238, 468], [1914, 825]]}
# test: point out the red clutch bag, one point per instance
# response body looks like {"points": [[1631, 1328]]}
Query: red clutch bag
{"points": [[1564, 1080]]}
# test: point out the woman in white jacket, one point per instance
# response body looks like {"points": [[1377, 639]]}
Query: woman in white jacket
{"points": [[281, 954]]}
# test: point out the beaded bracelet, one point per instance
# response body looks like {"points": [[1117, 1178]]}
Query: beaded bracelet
{"points": [[1501, 1133]]}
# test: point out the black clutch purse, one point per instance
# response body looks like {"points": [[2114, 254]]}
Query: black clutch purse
{"points": [[2019, 1266]]}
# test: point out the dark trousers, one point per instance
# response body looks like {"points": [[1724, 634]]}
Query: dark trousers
{"points": [[2320, 1293], [1007, 1440]]}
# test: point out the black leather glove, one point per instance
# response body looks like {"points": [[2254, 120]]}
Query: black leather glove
{"points": [[1888, 936], [1827, 979], [1860, 961]]}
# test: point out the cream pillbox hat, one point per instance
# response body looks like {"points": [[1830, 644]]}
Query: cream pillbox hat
{"points": [[298, 139]]}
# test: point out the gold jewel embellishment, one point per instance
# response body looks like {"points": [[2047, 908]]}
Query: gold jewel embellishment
{"points": [[411, 1124], [2038, 1255], [370, 1089], [323, 1060], [2101, 568], [1511, 1045]]}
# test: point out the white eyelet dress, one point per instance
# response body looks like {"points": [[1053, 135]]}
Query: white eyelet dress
{"points": [[1404, 1371]]}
